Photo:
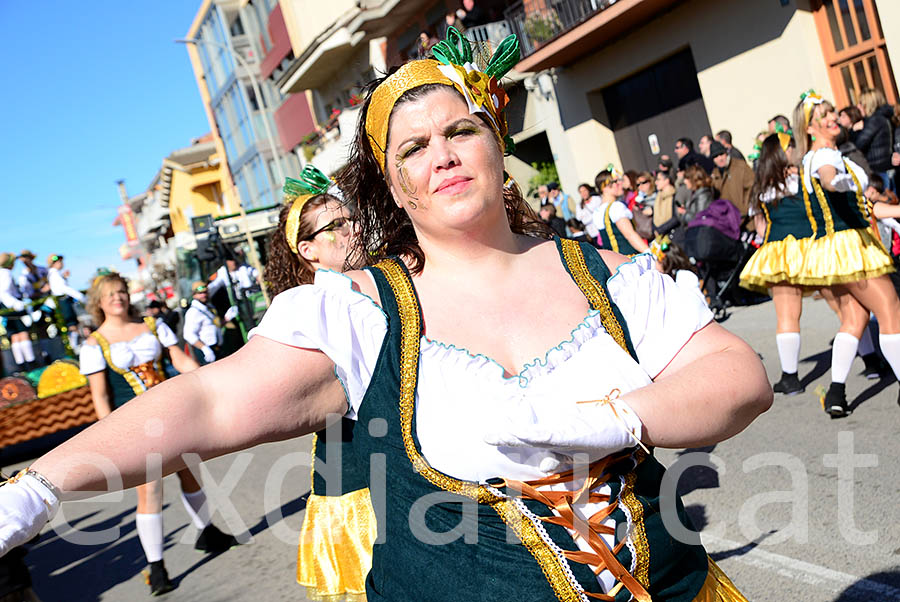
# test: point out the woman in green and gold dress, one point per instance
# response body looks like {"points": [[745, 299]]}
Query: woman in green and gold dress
{"points": [[335, 550], [510, 448]]}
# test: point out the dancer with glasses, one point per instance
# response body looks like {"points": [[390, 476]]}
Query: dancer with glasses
{"points": [[335, 550], [482, 432]]}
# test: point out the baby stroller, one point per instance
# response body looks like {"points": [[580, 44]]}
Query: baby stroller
{"points": [[713, 240]]}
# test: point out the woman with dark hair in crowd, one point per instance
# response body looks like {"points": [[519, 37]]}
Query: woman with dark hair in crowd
{"points": [[845, 253], [335, 551], [700, 184], [584, 212], [849, 116], [460, 264], [122, 360], [629, 188], [613, 219]]}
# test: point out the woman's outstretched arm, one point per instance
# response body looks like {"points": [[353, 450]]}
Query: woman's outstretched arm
{"points": [[265, 392]]}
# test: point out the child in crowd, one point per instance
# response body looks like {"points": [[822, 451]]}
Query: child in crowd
{"points": [[673, 261]]}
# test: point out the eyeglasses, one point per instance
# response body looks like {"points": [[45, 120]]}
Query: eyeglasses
{"points": [[341, 224], [55, 258], [200, 289], [642, 182]]}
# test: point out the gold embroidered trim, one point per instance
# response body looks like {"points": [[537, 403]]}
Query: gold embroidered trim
{"points": [[150, 321], [546, 558], [866, 208], [410, 337], [130, 375], [592, 290], [860, 199], [609, 231], [823, 204], [765, 211], [808, 205], [638, 533], [312, 465]]}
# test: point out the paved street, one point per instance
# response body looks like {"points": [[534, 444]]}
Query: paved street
{"points": [[777, 468]]}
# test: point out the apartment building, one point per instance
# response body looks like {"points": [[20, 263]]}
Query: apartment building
{"points": [[234, 46], [607, 81]]}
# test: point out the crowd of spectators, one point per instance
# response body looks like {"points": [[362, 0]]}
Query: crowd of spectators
{"points": [[708, 186], [687, 183]]}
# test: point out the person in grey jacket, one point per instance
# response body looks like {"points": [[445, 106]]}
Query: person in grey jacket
{"points": [[700, 184]]}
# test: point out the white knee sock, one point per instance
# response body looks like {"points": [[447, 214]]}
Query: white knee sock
{"points": [[197, 508], [866, 344], [890, 349], [16, 349], [788, 350], [842, 353], [27, 351], [150, 532]]}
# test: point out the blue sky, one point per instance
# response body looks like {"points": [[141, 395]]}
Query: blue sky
{"points": [[93, 92]]}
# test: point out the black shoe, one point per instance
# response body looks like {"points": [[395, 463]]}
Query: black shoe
{"points": [[789, 384], [875, 368], [835, 401], [213, 541], [158, 579]]}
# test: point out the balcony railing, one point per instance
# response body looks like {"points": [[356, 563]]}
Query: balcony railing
{"points": [[488, 36], [537, 22]]}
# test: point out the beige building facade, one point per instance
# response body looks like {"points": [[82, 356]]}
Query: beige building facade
{"points": [[618, 81]]}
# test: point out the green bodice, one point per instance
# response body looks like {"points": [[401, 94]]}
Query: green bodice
{"points": [[479, 554], [612, 237]]}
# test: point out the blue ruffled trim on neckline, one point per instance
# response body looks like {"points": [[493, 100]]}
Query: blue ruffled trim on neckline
{"points": [[522, 377], [353, 290], [629, 262]]}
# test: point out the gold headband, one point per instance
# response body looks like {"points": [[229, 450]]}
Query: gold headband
{"points": [[411, 75], [482, 93], [810, 101], [312, 182], [293, 221]]}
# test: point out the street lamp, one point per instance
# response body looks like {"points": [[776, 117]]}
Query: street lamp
{"points": [[254, 257]]}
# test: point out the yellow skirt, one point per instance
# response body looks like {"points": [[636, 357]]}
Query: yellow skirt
{"points": [[335, 552], [845, 256], [718, 587]]}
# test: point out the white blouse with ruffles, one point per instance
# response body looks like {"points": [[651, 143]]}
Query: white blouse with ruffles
{"points": [[461, 396], [813, 160], [141, 349]]}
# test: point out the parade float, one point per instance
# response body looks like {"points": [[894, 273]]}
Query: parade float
{"points": [[46, 400]]}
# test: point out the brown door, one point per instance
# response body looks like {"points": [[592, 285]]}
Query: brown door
{"points": [[662, 100], [687, 121]]}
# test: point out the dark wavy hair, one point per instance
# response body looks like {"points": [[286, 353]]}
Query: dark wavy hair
{"points": [[384, 229], [771, 169], [284, 268], [676, 259]]}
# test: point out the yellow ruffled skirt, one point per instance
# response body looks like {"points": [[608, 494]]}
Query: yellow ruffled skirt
{"points": [[335, 552], [718, 587], [845, 256]]}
